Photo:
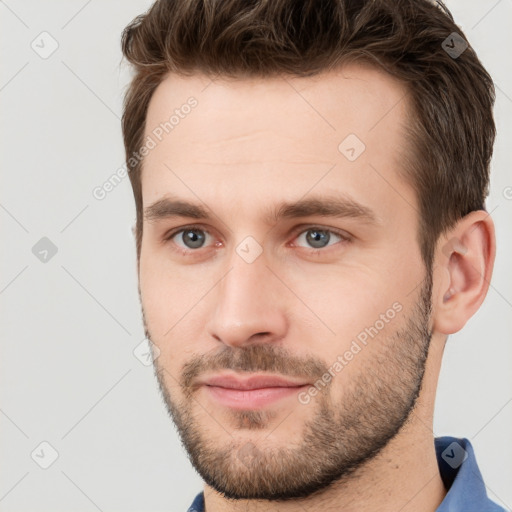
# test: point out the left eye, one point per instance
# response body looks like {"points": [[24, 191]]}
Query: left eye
{"points": [[320, 238]]}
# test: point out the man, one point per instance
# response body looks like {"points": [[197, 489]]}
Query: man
{"points": [[310, 180]]}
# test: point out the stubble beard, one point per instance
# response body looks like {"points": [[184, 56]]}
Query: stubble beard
{"points": [[338, 439]]}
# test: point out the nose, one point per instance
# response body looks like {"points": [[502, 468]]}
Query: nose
{"points": [[250, 305]]}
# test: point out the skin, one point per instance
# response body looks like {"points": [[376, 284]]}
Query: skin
{"points": [[247, 146]]}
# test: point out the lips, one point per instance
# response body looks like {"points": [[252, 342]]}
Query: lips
{"points": [[252, 382], [250, 392]]}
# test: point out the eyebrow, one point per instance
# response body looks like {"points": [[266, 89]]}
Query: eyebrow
{"points": [[331, 206]]}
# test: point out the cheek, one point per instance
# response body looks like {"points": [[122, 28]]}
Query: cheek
{"points": [[172, 302], [165, 288], [355, 314], [154, 295], [342, 302]]}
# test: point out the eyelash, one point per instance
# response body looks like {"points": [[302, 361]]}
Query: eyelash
{"points": [[345, 238]]}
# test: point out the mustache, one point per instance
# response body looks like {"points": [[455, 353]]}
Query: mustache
{"points": [[254, 358]]}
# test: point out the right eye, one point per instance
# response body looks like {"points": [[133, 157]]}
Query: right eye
{"points": [[189, 238]]}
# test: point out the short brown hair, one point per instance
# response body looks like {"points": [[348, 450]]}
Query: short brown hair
{"points": [[451, 126]]}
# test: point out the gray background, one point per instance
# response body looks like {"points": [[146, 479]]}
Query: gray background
{"points": [[70, 325]]}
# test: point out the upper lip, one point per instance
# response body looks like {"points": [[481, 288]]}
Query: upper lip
{"points": [[252, 381]]}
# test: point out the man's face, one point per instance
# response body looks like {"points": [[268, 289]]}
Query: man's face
{"points": [[333, 301]]}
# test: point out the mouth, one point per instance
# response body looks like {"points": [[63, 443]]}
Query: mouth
{"points": [[253, 391]]}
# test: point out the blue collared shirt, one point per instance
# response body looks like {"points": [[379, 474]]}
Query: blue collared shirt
{"points": [[459, 472]]}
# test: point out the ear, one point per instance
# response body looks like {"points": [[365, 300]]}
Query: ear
{"points": [[464, 264]]}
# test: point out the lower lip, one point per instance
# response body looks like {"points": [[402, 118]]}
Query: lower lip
{"points": [[251, 398]]}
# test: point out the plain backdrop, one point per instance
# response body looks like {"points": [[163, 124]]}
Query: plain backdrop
{"points": [[72, 372]]}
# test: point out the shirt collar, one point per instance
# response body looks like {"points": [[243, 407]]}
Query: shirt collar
{"points": [[461, 477]]}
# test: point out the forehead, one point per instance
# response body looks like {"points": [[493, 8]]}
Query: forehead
{"points": [[235, 137], [356, 97]]}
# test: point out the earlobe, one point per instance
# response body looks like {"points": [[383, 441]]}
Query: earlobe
{"points": [[466, 258]]}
